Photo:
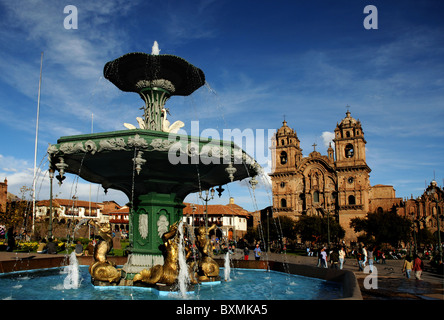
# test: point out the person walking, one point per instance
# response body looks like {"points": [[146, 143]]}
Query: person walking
{"points": [[324, 258], [318, 254], [10, 239], [407, 267], [246, 252], [418, 267], [359, 257], [364, 254], [370, 258], [334, 259], [341, 257], [257, 252]]}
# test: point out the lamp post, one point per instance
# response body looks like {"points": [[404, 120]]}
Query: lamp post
{"points": [[206, 199], [51, 177]]}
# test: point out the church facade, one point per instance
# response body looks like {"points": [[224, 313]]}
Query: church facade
{"points": [[335, 185]]}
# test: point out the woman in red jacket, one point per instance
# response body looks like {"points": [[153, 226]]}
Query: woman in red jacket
{"points": [[418, 266]]}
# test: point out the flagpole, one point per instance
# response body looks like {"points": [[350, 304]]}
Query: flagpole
{"points": [[35, 149], [89, 226]]}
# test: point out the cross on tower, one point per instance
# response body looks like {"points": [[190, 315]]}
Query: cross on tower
{"points": [[314, 146]]}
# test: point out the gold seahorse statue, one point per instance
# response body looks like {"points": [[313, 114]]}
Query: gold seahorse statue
{"points": [[169, 271], [207, 267], [102, 269]]}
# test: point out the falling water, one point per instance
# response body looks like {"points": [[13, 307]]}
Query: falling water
{"points": [[72, 280], [227, 267], [184, 278]]}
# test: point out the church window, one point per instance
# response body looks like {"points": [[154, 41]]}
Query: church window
{"points": [[282, 142], [379, 210], [349, 151], [282, 184], [347, 134], [351, 200], [283, 203], [316, 196], [283, 157]]}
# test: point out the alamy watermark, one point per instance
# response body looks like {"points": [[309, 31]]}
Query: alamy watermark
{"points": [[371, 21], [209, 147], [371, 281], [71, 21]]}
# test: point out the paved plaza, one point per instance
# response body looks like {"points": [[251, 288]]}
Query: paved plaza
{"points": [[391, 282]]}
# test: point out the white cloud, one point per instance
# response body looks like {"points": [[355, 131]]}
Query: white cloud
{"points": [[327, 138]]}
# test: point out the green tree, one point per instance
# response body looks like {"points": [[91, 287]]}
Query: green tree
{"points": [[275, 228], [315, 229], [383, 227], [17, 211]]}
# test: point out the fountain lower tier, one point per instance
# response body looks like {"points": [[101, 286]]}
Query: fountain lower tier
{"points": [[156, 170]]}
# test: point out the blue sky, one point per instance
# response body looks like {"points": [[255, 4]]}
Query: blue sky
{"points": [[307, 60]]}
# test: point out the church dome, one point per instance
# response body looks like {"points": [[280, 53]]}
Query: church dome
{"points": [[348, 120], [285, 130]]}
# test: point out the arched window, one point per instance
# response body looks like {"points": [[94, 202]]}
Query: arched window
{"points": [[282, 142], [283, 157], [351, 200], [347, 134], [316, 196], [283, 203]]}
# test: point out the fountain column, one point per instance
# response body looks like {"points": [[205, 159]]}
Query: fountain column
{"points": [[150, 218]]}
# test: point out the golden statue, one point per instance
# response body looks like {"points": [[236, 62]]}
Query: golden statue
{"points": [[169, 271], [102, 269], [207, 267]]}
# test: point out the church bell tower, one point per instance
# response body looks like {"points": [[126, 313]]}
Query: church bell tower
{"points": [[286, 156], [352, 170]]}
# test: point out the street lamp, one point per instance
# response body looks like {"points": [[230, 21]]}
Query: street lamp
{"points": [[206, 199]]}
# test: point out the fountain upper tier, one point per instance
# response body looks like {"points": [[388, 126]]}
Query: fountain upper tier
{"points": [[136, 71], [158, 161]]}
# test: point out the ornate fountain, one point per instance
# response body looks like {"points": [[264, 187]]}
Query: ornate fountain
{"points": [[155, 167]]}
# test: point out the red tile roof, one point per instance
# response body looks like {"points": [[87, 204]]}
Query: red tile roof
{"points": [[69, 203], [122, 210], [216, 209]]}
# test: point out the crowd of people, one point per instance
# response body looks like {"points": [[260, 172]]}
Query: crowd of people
{"points": [[366, 256]]}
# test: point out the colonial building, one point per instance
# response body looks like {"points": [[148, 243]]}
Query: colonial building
{"points": [[119, 219], [3, 195], [231, 219], [70, 210], [425, 211], [335, 185]]}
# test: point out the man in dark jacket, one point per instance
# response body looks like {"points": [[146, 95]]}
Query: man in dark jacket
{"points": [[51, 247]]}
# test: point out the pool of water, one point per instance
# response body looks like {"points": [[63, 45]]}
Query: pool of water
{"points": [[244, 284]]}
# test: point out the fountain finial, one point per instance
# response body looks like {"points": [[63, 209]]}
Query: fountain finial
{"points": [[155, 49]]}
